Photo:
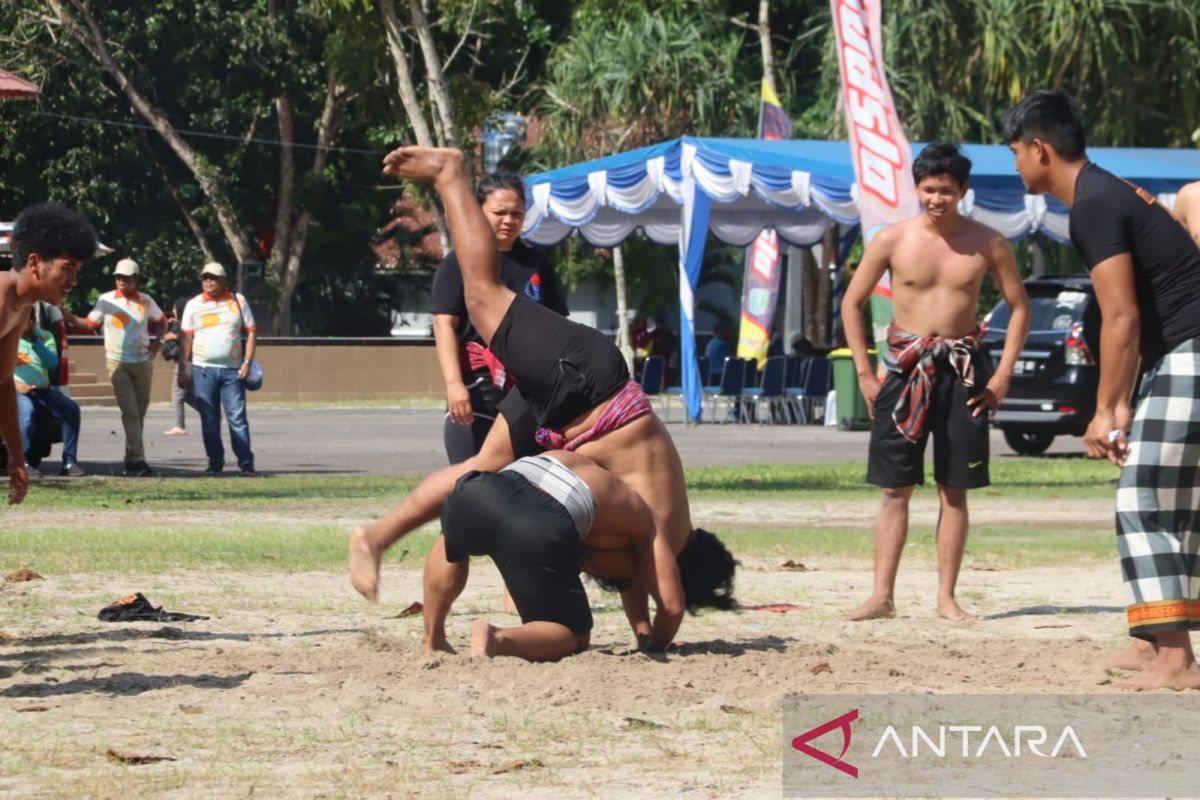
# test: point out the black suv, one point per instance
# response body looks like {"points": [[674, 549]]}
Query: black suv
{"points": [[1053, 389]]}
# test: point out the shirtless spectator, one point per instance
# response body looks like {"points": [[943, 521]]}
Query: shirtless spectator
{"points": [[938, 381], [577, 386], [49, 244], [1187, 208]]}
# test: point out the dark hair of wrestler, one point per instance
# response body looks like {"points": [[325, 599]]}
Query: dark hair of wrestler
{"points": [[942, 158], [499, 181], [52, 231], [1050, 116], [706, 569]]}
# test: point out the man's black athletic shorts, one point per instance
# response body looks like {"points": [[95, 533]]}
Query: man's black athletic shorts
{"points": [[530, 537], [522, 425], [563, 369], [960, 441]]}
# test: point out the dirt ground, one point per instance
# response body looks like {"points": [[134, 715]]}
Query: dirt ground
{"points": [[296, 688]]}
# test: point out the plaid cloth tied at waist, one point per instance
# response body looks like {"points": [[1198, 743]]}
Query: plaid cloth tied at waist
{"points": [[626, 406], [917, 357], [479, 356]]}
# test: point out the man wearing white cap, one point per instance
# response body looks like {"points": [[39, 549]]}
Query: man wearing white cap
{"points": [[131, 321], [214, 361]]}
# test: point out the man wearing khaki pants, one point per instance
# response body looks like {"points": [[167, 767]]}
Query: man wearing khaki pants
{"points": [[128, 317]]}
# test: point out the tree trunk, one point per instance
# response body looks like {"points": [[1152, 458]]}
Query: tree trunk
{"points": [[194, 226], [287, 269], [623, 342], [287, 188], [824, 287], [408, 97], [809, 278], [437, 80], [404, 81], [94, 42], [764, 44]]}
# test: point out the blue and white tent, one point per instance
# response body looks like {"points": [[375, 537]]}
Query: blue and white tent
{"points": [[734, 188]]}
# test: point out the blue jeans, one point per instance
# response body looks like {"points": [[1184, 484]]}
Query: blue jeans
{"points": [[217, 388], [49, 401]]}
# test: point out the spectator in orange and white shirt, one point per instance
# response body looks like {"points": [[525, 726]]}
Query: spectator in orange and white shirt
{"points": [[131, 322], [215, 363]]}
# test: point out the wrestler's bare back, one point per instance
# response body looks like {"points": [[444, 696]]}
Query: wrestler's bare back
{"points": [[12, 314], [935, 277]]}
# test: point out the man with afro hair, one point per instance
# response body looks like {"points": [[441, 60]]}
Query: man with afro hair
{"points": [[50, 243]]}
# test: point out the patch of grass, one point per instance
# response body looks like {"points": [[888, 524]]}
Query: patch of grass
{"points": [[282, 548], [212, 493], [986, 546], [1065, 477], [308, 546]]}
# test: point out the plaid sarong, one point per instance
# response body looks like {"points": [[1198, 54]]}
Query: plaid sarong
{"points": [[1158, 499], [476, 356], [918, 357], [626, 406]]}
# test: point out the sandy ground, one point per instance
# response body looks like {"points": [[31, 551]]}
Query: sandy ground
{"points": [[296, 688]]}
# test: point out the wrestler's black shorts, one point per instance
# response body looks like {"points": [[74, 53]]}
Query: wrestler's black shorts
{"points": [[960, 441], [530, 537], [522, 424], [563, 369]]}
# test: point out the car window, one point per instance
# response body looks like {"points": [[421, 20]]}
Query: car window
{"points": [[1050, 311]]}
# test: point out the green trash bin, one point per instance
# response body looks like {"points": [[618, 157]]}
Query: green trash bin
{"points": [[852, 412]]}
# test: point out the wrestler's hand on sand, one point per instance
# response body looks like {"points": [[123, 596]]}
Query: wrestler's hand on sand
{"points": [[1107, 435], [990, 398], [869, 385], [18, 479]]}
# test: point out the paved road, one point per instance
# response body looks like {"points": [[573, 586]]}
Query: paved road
{"points": [[406, 441]]}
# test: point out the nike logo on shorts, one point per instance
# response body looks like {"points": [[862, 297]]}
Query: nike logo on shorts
{"points": [[973, 464]]}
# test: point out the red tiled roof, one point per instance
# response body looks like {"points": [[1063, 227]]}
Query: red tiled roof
{"points": [[12, 87]]}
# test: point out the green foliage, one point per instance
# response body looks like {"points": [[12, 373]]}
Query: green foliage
{"points": [[632, 74], [605, 75]]}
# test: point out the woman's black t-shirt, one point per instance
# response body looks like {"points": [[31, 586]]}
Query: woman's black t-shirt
{"points": [[522, 269]]}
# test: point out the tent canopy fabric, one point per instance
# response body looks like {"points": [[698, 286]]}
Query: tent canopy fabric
{"points": [[14, 88], [736, 188], [797, 187]]}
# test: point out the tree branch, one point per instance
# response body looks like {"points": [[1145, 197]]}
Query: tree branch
{"points": [[408, 92], [437, 78], [93, 41]]}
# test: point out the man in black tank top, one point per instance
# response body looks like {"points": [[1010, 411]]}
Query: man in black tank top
{"points": [[1145, 268]]}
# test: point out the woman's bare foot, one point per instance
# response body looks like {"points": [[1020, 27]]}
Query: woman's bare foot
{"points": [[1136, 657], [430, 164], [364, 564], [176, 431], [482, 639], [874, 608], [949, 609], [1159, 675]]}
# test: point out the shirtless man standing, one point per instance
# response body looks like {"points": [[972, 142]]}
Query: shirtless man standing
{"points": [[938, 379], [573, 380], [1187, 208], [49, 245]]}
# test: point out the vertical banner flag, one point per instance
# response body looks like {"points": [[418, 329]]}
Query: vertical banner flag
{"points": [[880, 150], [760, 287]]}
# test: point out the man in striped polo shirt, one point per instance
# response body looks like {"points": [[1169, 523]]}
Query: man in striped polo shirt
{"points": [[131, 322], [216, 363]]}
